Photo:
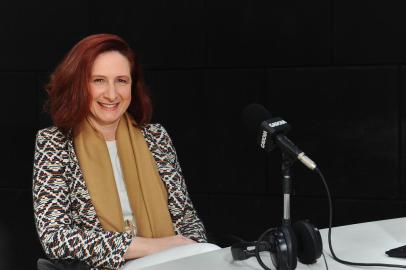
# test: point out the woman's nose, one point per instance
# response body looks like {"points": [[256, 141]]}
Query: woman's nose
{"points": [[111, 92]]}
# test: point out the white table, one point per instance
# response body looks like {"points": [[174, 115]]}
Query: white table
{"points": [[364, 242]]}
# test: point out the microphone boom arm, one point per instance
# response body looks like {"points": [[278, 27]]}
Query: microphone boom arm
{"points": [[287, 145]]}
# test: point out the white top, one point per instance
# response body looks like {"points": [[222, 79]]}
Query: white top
{"points": [[118, 176]]}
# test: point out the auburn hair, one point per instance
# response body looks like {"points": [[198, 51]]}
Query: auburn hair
{"points": [[68, 88]]}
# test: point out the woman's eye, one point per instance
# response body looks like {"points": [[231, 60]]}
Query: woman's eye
{"points": [[98, 80], [122, 81]]}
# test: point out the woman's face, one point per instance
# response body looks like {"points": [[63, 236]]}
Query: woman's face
{"points": [[110, 89]]}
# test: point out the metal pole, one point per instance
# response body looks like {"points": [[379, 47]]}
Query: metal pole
{"points": [[286, 187]]}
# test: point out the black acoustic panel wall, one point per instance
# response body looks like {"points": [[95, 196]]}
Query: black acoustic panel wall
{"points": [[19, 95], [244, 216], [402, 121], [18, 155], [268, 33], [117, 22], [313, 209], [20, 119], [368, 32], [346, 119], [236, 163], [201, 203], [166, 33], [202, 111], [17, 231], [36, 35], [181, 105], [44, 118], [19, 125], [355, 211]]}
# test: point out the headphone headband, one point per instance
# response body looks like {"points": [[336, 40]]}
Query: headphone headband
{"points": [[244, 250]]}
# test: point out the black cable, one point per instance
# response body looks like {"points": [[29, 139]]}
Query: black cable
{"points": [[270, 248], [259, 242], [329, 233], [259, 259], [325, 261]]}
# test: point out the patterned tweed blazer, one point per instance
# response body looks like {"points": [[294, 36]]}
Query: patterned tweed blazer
{"points": [[65, 218]]}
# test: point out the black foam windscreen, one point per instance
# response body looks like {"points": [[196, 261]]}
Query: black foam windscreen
{"points": [[253, 115]]}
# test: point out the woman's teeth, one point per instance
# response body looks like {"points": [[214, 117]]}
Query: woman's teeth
{"points": [[106, 105]]}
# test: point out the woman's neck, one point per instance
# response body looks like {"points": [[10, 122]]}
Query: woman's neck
{"points": [[108, 131]]}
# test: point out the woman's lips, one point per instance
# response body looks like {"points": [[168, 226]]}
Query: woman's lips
{"points": [[108, 106]]}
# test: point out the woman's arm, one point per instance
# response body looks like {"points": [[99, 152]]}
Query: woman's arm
{"points": [[60, 236], [141, 246], [181, 207]]}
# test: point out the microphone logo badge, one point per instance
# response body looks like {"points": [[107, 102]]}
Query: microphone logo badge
{"points": [[277, 123], [263, 139]]}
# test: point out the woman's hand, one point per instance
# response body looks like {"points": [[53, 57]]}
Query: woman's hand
{"points": [[142, 246]]}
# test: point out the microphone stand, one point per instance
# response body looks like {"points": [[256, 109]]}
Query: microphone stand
{"points": [[287, 162]]}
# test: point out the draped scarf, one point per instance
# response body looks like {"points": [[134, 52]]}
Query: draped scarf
{"points": [[146, 192]]}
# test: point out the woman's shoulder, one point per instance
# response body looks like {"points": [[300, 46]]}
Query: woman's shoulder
{"points": [[154, 128], [51, 134], [155, 132]]}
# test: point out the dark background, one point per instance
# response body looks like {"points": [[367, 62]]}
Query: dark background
{"points": [[334, 69]]}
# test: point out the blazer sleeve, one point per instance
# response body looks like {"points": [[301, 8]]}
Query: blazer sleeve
{"points": [[181, 207], [60, 236]]}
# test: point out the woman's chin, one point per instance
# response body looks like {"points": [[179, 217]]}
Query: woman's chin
{"points": [[107, 119]]}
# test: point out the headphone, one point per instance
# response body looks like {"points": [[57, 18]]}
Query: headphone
{"points": [[286, 244]]}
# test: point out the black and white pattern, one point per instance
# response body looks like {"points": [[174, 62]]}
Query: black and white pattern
{"points": [[65, 218]]}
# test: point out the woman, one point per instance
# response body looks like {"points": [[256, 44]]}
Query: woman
{"points": [[107, 185]]}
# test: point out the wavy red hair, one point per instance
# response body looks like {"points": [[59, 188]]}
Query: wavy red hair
{"points": [[68, 89]]}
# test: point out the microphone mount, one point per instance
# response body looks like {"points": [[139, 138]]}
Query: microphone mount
{"points": [[287, 162]]}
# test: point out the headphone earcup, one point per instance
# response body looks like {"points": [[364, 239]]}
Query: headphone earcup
{"points": [[309, 243], [285, 247]]}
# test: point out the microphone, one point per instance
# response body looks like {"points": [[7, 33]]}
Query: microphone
{"points": [[271, 133]]}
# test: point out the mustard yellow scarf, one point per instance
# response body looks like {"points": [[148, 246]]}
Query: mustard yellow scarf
{"points": [[146, 191]]}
